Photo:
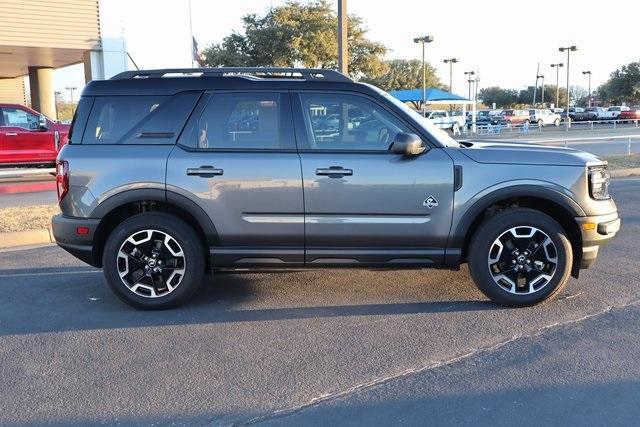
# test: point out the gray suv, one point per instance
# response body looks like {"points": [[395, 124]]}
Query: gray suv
{"points": [[170, 174]]}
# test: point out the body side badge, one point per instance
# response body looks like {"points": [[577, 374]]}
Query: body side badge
{"points": [[430, 202]]}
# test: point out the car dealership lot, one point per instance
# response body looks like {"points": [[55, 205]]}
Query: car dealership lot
{"points": [[336, 343]]}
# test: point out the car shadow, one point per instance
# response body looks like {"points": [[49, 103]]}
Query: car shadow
{"points": [[77, 298]]}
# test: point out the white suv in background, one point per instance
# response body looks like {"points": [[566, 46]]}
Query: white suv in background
{"points": [[544, 117]]}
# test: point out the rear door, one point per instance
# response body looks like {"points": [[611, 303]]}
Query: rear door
{"points": [[24, 141], [363, 203], [237, 160]]}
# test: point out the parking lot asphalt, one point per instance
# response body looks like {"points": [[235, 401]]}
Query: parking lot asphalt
{"points": [[321, 346]]}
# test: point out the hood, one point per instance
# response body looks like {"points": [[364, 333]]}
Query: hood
{"points": [[526, 154]]}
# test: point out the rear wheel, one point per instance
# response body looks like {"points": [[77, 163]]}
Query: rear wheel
{"points": [[540, 123], [455, 128], [520, 257], [556, 122], [153, 261]]}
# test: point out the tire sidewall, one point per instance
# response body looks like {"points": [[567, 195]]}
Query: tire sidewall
{"points": [[494, 227], [177, 229]]}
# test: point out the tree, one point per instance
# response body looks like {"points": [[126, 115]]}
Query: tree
{"points": [[298, 34], [405, 74], [623, 85], [501, 97]]}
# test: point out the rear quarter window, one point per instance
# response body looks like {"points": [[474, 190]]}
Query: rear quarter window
{"points": [[138, 119]]}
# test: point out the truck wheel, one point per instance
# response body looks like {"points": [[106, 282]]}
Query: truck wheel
{"points": [[520, 257], [153, 260], [556, 122], [455, 128]]}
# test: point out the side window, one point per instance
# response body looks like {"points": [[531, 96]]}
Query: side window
{"points": [[16, 117], [242, 121], [348, 122], [113, 117]]}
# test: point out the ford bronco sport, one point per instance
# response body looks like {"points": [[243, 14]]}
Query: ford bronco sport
{"points": [[169, 174]]}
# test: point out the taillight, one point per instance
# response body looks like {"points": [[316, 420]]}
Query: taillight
{"points": [[62, 178]]}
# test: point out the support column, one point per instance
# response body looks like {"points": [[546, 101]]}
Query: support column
{"points": [[93, 65], [43, 97]]}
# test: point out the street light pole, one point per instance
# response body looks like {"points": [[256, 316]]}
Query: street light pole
{"points": [[568, 49], [424, 40], [541, 77], [469, 75], [71, 89], [343, 51], [589, 73], [557, 66], [451, 61]]}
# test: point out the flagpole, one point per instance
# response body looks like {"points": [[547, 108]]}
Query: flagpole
{"points": [[191, 35]]}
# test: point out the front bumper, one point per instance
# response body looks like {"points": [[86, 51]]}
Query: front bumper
{"points": [[596, 231], [65, 231]]}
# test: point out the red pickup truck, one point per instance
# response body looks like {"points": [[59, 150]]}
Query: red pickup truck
{"points": [[28, 137]]}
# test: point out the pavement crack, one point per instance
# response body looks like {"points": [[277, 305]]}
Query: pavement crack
{"points": [[279, 413]]}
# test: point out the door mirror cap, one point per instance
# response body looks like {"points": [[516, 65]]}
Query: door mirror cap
{"points": [[42, 122], [407, 144]]}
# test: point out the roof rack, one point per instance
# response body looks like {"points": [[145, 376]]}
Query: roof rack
{"points": [[249, 72]]}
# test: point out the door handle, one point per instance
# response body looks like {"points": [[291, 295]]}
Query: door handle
{"points": [[11, 134], [334, 171], [204, 171]]}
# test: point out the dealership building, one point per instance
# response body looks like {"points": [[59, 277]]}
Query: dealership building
{"points": [[39, 36]]}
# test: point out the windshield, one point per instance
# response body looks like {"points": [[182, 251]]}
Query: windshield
{"points": [[438, 134]]}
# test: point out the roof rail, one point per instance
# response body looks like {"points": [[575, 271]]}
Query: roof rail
{"points": [[252, 72]]}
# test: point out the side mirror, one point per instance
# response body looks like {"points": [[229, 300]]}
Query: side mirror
{"points": [[42, 122], [407, 144]]}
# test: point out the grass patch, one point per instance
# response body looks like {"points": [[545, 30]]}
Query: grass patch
{"points": [[623, 162], [24, 218]]}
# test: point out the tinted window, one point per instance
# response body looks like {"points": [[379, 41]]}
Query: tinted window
{"points": [[241, 121], [80, 119], [348, 122], [16, 117], [113, 119]]}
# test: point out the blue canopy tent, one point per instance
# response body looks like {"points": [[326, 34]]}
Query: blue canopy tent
{"points": [[435, 96]]}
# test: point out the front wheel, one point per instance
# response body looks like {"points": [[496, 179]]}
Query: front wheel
{"points": [[520, 257], [540, 123], [455, 129], [556, 122], [153, 260]]}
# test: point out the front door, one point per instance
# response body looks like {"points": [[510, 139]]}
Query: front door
{"points": [[364, 204], [24, 141], [237, 160]]}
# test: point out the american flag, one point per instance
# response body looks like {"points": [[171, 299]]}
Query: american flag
{"points": [[196, 53]]}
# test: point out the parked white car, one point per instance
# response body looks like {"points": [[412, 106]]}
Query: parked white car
{"points": [[441, 119], [613, 113], [544, 117]]}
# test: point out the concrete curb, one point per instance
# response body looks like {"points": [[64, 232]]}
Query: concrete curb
{"points": [[24, 238], [624, 173]]}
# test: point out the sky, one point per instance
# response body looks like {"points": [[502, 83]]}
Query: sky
{"points": [[503, 40]]}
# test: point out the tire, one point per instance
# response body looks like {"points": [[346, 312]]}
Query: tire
{"points": [[540, 123], [455, 128], [489, 265], [180, 258], [556, 122]]}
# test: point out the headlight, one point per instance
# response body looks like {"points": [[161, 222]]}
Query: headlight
{"points": [[599, 179]]}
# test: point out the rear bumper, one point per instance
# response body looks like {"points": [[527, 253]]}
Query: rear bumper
{"points": [[65, 231], [596, 231]]}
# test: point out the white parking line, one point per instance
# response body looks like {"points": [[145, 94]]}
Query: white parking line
{"points": [[2, 276]]}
